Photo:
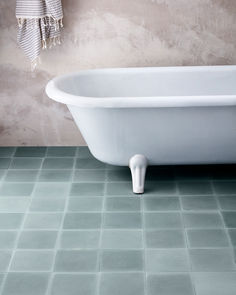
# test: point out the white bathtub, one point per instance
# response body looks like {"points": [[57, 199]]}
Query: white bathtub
{"points": [[153, 116]]}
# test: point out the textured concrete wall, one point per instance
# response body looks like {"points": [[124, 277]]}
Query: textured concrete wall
{"points": [[105, 33]]}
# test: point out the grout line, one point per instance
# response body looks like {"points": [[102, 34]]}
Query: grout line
{"points": [[120, 249], [3, 175], [59, 231], [102, 229], [226, 229], [122, 272], [186, 241], [143, 241], [19, 231], [110, 229], [101, 233], [120, 211]]}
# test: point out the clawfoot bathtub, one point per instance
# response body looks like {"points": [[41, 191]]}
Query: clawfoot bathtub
{"points": [[153, 116]]}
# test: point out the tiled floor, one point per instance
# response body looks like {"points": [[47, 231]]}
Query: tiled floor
{"points": [[70, 225]]}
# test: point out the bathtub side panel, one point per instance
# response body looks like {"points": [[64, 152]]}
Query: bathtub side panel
{"points": [[164, 135]]}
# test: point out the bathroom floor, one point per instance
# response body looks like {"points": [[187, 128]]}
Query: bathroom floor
{"points": [[70, 225]]}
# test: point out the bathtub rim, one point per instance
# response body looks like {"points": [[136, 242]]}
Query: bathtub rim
{"points": [[58, 95]]}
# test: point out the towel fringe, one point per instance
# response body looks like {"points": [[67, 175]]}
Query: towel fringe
{"points": [[46, 43], [47, 21], [50, 42], [20, 22], [39, 26], [34, 63]]}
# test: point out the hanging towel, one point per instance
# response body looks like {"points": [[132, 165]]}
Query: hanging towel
{"points": [[39, 26]]}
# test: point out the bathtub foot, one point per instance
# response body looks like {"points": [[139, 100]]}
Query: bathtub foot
{"points": [[138, 165]]}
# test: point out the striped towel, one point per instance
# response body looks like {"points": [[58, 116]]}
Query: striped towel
{"points": [[39, 26]]}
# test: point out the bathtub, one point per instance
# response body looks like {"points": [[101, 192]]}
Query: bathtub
{"points": [[153, 116]]}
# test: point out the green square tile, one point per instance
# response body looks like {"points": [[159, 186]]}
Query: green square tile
{"points": [[122, 283], [227, 202], [32, 261], [161, 203], [232, 234], [212, 260], [76, 261], [122, 204], [74, 284], [122, 239], [26, 163], [214, 283], [162, 220], [79, 239], [199, 203], [169, 284], [55, 175], [7, 239], [5, 257], [84, 152], [30, 152], [7, 151], [82, 221], [87, 189], [123, 220], [85, 204], [43, 221], [164, 239], [14, 205], [122, 174], [16, 189], [61, 151], [213, 238], [121, 260], [89, 163], [89, 175], [119, 188], [58, 163], [202, 220], [5, 163], [195, 188], [37, 239], [229, 218], [51, 190], [167, 260], [155, 173], [10, 220], [24, 283], [160, 188], [225, 187], [21, 175], [47, 205]]}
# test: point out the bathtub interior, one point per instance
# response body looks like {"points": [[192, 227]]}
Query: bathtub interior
{"points": [[150, 82]]}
